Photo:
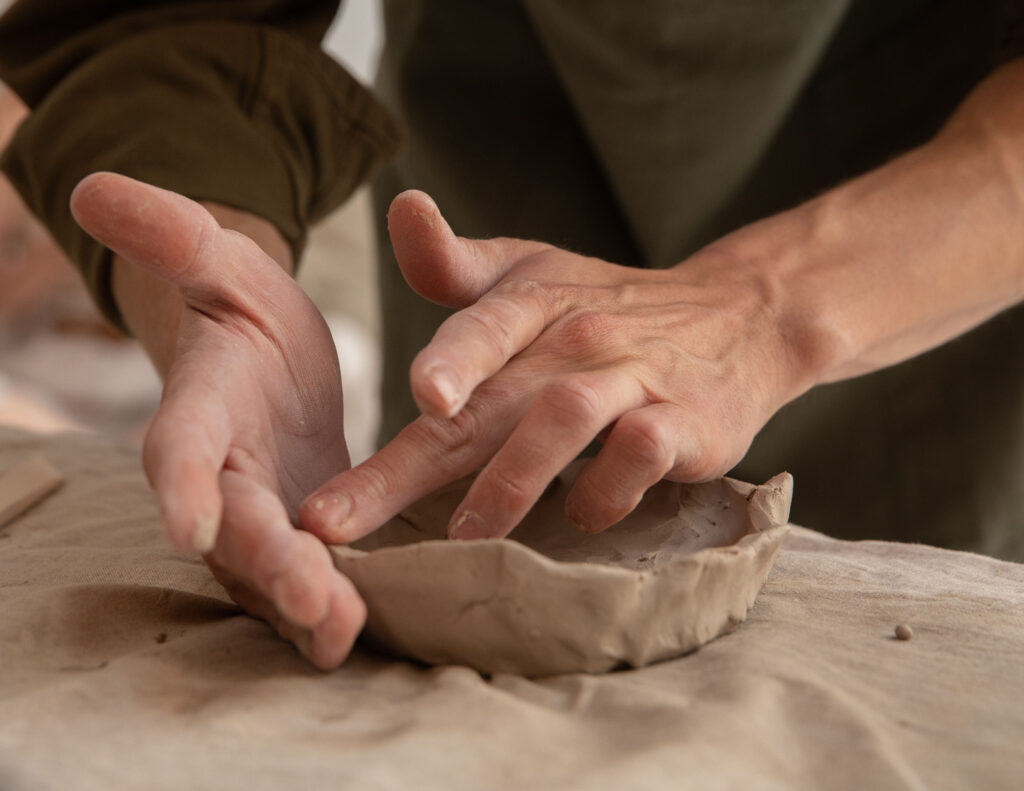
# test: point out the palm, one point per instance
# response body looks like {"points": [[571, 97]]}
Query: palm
{"points": [[283, 410], [251, 415]]}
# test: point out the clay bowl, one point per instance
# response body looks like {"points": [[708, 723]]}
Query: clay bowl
{"points": [[683, 568]]}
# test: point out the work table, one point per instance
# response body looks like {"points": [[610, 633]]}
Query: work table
{"points": [[124, 665]]}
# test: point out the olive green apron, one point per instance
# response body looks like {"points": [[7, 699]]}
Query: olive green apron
{"points": [[638, 132]]}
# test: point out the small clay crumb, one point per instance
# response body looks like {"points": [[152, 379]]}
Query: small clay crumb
{"points": [[904, 632], [82, 668], [161, 638]]}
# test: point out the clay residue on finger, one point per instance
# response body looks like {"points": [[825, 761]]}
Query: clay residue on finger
{"points": [[426, 217]]}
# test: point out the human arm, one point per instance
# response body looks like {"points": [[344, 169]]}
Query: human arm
{"points": [[32, 268], [872, 272], [229, 101], [252, 407], [237, 106]]}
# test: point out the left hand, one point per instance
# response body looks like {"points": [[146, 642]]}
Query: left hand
{"points": [[680, 368], [251, 415]]}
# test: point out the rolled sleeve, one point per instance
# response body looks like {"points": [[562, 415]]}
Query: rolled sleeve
{"points": [[243, 114]]}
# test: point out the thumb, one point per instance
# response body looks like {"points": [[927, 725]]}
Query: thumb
{"points": [[445, 268], [171, 236]]}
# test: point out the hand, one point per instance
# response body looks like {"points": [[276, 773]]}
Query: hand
{"points": [[251, 416], [677, 369]]}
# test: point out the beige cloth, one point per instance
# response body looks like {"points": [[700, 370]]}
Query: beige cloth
{"points": [[123, 666]]}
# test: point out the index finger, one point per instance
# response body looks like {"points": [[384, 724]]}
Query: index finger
{"points": [[425, 455], [475, 343]]}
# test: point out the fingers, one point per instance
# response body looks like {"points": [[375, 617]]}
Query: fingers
{"points": [[259, 543], [182, 456], [288, 575], [442, 267], [190, 501], [476, 342], [560, 423], [271, 569], [171, 236], [645, 445], [326, 646], [427, 454], [154, 227]]}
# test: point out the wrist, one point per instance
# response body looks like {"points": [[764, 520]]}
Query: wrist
{"points": [[779, 258], [893, 263], [905, 257]]}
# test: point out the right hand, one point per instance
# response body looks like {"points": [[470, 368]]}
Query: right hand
{"points": [[676, 369]]}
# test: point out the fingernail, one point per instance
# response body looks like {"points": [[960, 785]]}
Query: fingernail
{"points": [[443, 381], [205, 534], [333, 509], [467, 526]]}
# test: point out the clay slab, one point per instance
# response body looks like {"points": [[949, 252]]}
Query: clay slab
{"points": [[683, 568]]}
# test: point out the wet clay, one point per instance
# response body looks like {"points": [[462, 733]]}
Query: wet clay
{"points": [[683, 568]]}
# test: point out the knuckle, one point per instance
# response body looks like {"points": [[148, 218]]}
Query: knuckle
{"points": [[374, 478], [494, 328], [703, 462], [696, 469], [603, 501], [510, 490], [648, 442], [586, 328], [574, 398], [521, 290], [448, 434], [466, 427]]}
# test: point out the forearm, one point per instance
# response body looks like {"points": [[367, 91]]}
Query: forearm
{"points": [[907, 256], [233, 103], [12, 113], [152, 307]]}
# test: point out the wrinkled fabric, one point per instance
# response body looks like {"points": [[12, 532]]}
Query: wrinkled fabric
{"points": [[122, 665]]}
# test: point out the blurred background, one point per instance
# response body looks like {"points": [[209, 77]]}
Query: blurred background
{"points": [[62, 368]]}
